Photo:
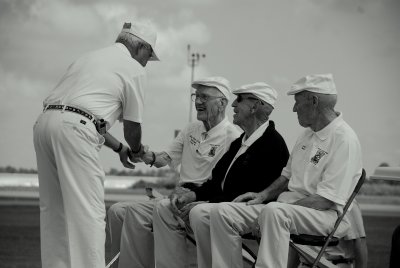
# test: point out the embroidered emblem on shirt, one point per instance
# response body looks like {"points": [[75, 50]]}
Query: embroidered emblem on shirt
{"points": [[318, 155], [211, 153], [303, 147], [83, 122], [194, 141]]}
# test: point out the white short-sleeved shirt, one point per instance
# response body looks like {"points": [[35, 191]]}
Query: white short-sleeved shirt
{"points": [[197, 151], [108, 83], [327, 163]]}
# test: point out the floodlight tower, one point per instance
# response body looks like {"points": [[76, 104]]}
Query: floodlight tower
{"points": [[193, 61]]}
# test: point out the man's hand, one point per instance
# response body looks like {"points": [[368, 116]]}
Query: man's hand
{"points": [[148, 157], [124, 155], [179, 200], [137, 157], [251, 198]]}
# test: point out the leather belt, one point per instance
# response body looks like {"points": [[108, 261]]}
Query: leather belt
{"points": [[100, 124]]}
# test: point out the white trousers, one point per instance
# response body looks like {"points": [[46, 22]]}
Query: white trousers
{"points": [[115, 218], [131, 229], [276, 220], [72, 210], [171, 248]]}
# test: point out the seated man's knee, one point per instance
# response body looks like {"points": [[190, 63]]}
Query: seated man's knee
{"points": [[162, 208], [222, 211], [197, 213], [272, 209], [116, 211]]}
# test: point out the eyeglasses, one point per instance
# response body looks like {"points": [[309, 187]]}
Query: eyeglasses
{"points": [[203, 97], [240, 98]]}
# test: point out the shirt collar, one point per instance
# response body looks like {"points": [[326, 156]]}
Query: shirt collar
{"points": [[255, 135], [224, 123], [324, 133]]}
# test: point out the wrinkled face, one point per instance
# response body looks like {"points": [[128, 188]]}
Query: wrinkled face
{"points": [[304, 108], [242, 108], [207, 102]]}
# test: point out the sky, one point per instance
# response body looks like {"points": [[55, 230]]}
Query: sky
{"points": [[272, 41]]}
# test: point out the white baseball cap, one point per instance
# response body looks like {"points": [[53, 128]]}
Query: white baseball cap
{"points": [[318, 83], [261, 90], [219, 82], [144, 32]]}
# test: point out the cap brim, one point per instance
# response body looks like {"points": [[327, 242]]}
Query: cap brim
{"points": [[294, 92], [154, 57]]}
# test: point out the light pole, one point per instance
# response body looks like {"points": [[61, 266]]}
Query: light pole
{"points": [[193, 61]]}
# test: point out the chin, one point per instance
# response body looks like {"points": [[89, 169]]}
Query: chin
{"points": [[201, 117]]}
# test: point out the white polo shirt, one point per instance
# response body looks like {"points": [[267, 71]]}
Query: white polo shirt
{"points": [[108, 83], [327, 163], [197, 151]]}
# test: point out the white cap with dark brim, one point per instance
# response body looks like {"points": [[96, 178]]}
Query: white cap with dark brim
{"points": [[221, 83], [317, 83], [261, 90]]}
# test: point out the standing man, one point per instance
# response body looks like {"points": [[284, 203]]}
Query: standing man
{"points": [[196, 150], [97, 89], [253, 162], [321, 173]]}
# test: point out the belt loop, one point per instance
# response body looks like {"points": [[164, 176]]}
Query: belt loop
{"points": [[63, 109], [45, 107]]}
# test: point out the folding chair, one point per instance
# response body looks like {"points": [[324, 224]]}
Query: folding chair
{"points": [[301, 241]]}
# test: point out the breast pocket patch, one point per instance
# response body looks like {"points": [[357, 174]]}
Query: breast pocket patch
{"points": [[319, 154]]}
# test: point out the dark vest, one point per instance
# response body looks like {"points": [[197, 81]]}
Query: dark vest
{"points": [[252, 171]]}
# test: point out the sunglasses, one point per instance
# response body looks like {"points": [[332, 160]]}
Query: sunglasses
{"points": [[240, 98]]}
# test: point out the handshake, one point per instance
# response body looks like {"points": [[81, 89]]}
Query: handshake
{"points": [[143, 155]]}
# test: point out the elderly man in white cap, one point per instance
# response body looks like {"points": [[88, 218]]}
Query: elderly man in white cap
{"points": [[196, 149], [97, 89], [252, 163], [321, 173]]}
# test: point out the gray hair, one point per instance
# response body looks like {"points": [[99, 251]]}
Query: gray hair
{"points": [[263, 111], [131, 41]]}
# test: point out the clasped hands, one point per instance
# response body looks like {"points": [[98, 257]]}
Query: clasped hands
{"points": [[127, 156], [182, 201]]}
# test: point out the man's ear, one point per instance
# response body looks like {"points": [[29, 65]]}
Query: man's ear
{"points": [[315, 100]]}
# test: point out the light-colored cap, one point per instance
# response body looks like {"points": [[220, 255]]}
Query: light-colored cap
{"points": [[318, 83], [261, 90], [144, 32], [221, 83]]}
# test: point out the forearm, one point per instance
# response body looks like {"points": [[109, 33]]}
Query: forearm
{"points": [[316, 202], [133, 135], [162, 159], [110, 141], [275, 189]]}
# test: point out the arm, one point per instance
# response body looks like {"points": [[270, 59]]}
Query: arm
{"points": [[111, 142], [316, 202], [270, 193], [160, 159], [133, 135]]}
